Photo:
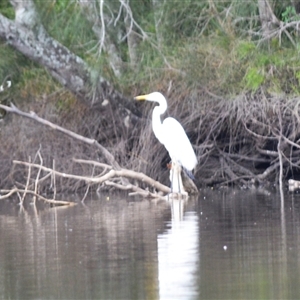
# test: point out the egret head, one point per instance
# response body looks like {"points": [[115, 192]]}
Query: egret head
{"points": [[155, 97]]}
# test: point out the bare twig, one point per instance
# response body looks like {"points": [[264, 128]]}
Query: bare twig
{"points": [[93, 162], [16, 190], [98, 180], [109, 157], [137, 190], [53, 180], [36, 182], [280, 168], [27, 183]]}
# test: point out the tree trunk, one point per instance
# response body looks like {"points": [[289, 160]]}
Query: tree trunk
{"points": [[267, 18], [27, 35]]}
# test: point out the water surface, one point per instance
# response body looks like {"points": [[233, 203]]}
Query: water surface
{"points": [[222, 245]]}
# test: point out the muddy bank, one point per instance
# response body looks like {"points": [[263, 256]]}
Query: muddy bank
{"points": [[244, 141]]}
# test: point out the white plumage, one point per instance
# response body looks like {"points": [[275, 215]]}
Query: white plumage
{"points": [[178, 144], [171, 134]]}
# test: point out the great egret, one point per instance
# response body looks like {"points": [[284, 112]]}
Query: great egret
{"points": [[172, 135]]}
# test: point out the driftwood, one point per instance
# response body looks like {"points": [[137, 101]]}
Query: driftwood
{"points": [[111, 177], [250, 141], [246, 142], [102, 179], [111, 174]]}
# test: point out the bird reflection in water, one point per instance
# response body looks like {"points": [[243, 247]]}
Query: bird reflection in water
{"points": [[178, 257]]}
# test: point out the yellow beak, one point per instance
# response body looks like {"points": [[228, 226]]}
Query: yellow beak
{"points": [[142, 97]]}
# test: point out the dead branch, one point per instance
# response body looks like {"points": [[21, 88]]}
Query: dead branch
{"points": [[268, 171], [89, 180], [136, 190], [53, 180], [243, 132], [105, 167], [280, 179], [272, 26], [111, 171], [9, 193], [27, 184], [36, 182], [227, 169], [98, 180], [32, 115]]}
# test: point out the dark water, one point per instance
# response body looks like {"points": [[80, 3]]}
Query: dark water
{"points": [[222, 245]]}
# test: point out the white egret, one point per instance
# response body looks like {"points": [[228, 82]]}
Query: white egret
{"points": [[172, 135]]}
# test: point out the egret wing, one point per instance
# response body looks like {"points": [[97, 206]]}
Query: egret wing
{"points": [[177, 143]]}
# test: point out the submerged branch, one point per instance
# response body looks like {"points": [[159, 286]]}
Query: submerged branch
{"points": [[104, 178], [9, 193]]}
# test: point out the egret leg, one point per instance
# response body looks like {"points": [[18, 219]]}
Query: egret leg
{"points": [[180, 187], [178, 180], [175, 178], [172, 177], [172, 170]]}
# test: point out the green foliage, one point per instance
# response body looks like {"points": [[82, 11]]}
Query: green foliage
{"points": [[35, 81], [6, 9], [180, 17], [254, 78], [10, 62], [65, 22], [289, 14], [245, 48], [206, 44], [150, 70], [60, 6], [208, 41], [244, 15]]}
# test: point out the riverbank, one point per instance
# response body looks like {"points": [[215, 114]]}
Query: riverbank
{"points": [[249, 140]]}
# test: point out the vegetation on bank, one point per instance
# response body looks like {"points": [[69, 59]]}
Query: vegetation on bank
{"points": [[199, 44], [233, 84]]}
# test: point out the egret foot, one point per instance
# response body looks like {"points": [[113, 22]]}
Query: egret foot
{"points": [[182, 195], [175, 178]]}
